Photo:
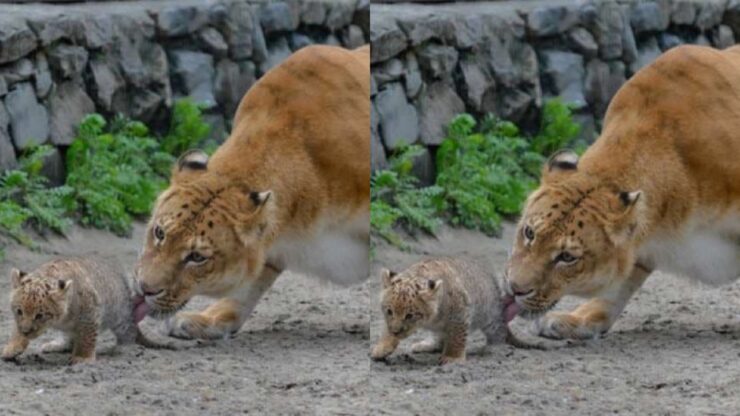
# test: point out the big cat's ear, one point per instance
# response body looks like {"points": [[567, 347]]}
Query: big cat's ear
{"points": [[385, 277], [562, 161], [191, 161], [626, 217], [16, 276]]}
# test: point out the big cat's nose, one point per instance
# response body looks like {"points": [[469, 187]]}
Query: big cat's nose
{"points": [[520, 290], [144, 289]]}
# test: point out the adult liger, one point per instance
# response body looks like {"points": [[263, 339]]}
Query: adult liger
{"points": [[289, 190], [659, 190]]}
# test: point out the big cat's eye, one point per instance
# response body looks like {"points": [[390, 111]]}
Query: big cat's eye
{"points": [[158, 233], [565, 258], [195, 257], [528, 233], [38, 316], [409, 316]]}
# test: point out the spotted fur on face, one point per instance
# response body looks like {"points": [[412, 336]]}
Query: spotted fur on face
{"points": [[572, 237], [37, 303], [408, 302], [206, 233]]}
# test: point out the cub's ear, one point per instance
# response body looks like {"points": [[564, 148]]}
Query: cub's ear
{"points": [[386, 276], [561, 161], [16, 276], [64, 285], [192, 160]]}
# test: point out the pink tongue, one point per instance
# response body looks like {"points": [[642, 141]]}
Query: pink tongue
{"points": [[511, 309], [141, 309]]}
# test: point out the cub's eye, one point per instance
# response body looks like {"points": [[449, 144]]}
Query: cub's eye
{"points": [[528, 233], [389, 312], [158, 233], [196, 258], [408, 317], [38, 316], [566, 258], [19, 312]]}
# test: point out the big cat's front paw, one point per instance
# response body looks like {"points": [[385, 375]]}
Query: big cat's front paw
{"points": [[562, 325], [192, 325]]}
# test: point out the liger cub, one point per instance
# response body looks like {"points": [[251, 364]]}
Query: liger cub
{"points": [[449, 297], [80, 297]]}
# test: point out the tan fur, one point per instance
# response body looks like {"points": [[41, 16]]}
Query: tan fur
{"points": [[301, 141], [664, 171], [80, 297], [449, 297]]}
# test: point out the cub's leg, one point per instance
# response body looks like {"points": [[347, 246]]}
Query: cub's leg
{"points": [[385, 346], [597, 315], [83, 343], [63, 343], [15, 346], [433, 343], [225, 316], [454, 344]]}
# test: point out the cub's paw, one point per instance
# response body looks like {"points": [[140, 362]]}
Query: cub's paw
{"points": [[381, 351], [10, 353], [446, 359]]}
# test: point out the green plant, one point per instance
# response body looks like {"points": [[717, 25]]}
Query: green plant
{"points": [[116, 172], [26, 198], [187, 128], [557, 128], [395, 198]]}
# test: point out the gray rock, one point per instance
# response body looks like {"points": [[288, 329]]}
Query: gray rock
{"points": [[377, 151], [469, 31], [17, 71], [476, 80], [551, 20], [3, 87], [563, 75], [423, 28], [217, 124], [373, 86], [231, 83], [259, 44], [524, 58], [68, 60], [53, 168], [313, 12], [424, 169], [648, 16], [437, 61], [68, 104], [710, 15], [29, 120], [399, 122], [16, 39], [298, 41], [193, 75], [332, 40], [588, 133], [667, 41], [131, 64], [732, 15], [648, 52], [143, 105], [508, 103], [98, 30], [180, 20], [502, 66], [42, 76], [353, 37], [607, 25], [278, 51], [387, 38], [702, 40], [107, 81], [722, 37], [238, 29], [212, 42], [340, 15], [601, 83], [683, 12], [50, 29], [412, 78], [7, 152], [388, 71], [277, 16], [361, 17], [629, 45], [583, 42], [438, 104]]}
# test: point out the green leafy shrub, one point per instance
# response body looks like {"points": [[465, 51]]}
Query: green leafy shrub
{"points": [[26, 198], [187, 128], [396, 198], [557, 128]]}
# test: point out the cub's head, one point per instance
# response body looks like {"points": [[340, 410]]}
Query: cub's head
{"points": [[575, 236], [408, 301], [207, 233], [37, 303]]}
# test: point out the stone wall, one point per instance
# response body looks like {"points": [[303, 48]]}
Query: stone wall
{"points": [[430, 62], [58, 63]]}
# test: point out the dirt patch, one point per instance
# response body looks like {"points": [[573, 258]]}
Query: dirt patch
{"points": [[304, 351], [671, 352]]}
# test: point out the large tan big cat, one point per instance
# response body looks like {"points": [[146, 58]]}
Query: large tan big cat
{"points": [[659, 190], [289, 189]]}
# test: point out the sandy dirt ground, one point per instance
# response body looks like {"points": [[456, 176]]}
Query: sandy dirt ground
{"points": [[303, 352], [673, 351]]}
